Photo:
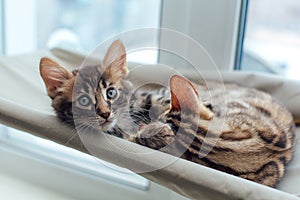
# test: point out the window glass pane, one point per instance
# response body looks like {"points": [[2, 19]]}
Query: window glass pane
{"points": [[84, 24], [89, 22], [272, 39], [77, 25]]}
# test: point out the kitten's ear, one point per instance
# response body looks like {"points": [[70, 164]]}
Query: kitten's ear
{"points": [[183, 93], [54, 75], [115, 60], [185, 96]]}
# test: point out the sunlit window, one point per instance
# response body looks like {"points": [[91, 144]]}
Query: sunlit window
{"points": [[272, 40], [77, 25]]}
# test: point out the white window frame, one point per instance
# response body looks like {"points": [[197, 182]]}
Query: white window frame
{"points": [[217, 31]]}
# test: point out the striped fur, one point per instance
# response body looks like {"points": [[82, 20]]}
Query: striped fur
{"points": [[149, 103], [83, 97], [255, 142]]}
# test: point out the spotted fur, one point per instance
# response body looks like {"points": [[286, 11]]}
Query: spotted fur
{"points": [[252, 135]]}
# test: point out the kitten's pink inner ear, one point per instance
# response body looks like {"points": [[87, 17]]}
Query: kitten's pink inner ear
{"points": [[115, 58], [184, 94], [53, 74]]}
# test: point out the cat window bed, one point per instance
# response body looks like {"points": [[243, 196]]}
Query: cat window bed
{"points": [[25, 105]]}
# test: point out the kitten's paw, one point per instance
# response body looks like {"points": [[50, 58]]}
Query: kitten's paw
{"points": [[155, 136]]}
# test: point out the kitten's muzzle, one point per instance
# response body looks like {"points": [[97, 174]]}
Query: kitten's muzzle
{"points": [[105, 115]]}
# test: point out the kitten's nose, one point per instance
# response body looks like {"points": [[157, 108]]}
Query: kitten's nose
{"points": [[105, 115]]}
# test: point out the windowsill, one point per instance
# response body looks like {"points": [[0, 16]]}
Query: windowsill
{"points": [[39, 171]]}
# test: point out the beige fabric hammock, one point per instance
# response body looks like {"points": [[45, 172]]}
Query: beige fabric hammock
{"points": [[25, 105]]}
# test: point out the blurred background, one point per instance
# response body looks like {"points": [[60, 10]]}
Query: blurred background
{"points": [[253, 35], [268, 31]]}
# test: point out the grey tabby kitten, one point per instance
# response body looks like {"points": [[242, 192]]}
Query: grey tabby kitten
{"points": [[255, 142], [93, 95]]}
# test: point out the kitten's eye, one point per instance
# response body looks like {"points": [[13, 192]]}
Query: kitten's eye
{"points": [[84, 101], [111, 93]]}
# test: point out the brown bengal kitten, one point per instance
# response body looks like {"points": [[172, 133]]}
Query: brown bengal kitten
{"points": [[93, 95], [241, 131]]}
